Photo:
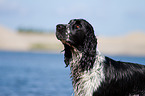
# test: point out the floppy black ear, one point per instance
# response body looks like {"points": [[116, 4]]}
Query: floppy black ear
{"points": [[67, 55], [89, 52], [90, 42]]}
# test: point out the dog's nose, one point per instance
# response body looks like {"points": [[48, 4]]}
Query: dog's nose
{"points": [[60, 27]]}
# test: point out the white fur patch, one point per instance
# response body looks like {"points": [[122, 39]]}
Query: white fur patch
{"points": [[68, 31], [90, 80]]}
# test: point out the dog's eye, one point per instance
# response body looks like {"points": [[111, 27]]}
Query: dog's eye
{"points": [[77, 26]]}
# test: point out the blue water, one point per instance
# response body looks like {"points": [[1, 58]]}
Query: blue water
{"points": [[33, 74], [39, 74]]}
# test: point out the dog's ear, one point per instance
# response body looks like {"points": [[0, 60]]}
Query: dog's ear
{"points": [[89, 52], [67, 55], [90, 42]]}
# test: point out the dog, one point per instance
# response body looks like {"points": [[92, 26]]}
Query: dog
{"points": [[92, 73]]}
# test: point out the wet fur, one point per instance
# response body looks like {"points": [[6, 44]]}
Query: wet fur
{"points": [[92, 73]]}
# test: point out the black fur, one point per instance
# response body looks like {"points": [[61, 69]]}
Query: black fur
{"points": [[121, 78]]}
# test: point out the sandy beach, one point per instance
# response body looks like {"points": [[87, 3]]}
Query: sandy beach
{"points": [[15, 41], [131, 44]]}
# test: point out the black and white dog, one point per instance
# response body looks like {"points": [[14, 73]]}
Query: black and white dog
{"points": [[92, 73]]}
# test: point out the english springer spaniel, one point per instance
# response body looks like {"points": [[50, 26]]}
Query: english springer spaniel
{"points": [[92, 73]]}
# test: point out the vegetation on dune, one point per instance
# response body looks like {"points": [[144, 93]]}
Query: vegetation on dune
{"points": [[41, 46], [33, 30]]}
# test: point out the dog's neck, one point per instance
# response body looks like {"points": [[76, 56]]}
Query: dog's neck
{"points": [[82, 60], [79, 58]]}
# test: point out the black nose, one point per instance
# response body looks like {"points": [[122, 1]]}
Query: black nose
{"points": [[60, 27]]}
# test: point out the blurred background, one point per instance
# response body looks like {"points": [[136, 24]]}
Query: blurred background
{"points": [[31, 62], [30, 25]]}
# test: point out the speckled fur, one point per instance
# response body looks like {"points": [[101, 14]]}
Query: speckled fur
{"points": [[87, 81]]}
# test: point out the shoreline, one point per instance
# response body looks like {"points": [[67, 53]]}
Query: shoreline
{"points": [[52, 52]]}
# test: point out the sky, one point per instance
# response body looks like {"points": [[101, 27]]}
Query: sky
{"points": [[108, 17]]}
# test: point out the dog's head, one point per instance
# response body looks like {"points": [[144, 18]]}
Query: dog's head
{"points": [[77, 35]]}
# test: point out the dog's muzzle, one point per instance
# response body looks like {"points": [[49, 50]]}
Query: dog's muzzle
{"points": [[63, 32]]}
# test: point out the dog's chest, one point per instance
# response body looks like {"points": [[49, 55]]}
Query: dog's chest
{"points": [[89, 81], [86, 82]]}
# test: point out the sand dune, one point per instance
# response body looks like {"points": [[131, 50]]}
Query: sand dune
{"points": [[10, 40], [131, 44]]}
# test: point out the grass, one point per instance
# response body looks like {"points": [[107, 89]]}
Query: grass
{"points": [[40, 46]]}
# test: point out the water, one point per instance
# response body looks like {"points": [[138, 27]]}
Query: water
{"points": [[33, 74], [38, 74]]}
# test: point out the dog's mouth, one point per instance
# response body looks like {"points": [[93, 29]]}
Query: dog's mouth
{"points": [[71, 46]]}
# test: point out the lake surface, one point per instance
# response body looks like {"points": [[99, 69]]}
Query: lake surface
{"points": [[39, 74]]}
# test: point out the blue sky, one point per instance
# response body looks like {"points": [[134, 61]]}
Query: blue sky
{"points": [[108, 17]]}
